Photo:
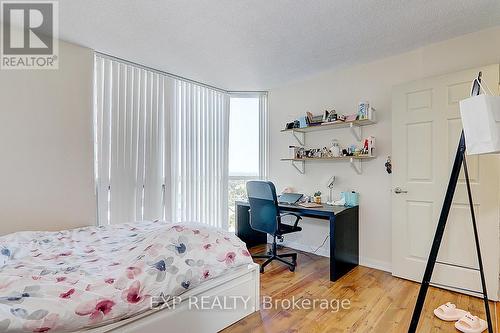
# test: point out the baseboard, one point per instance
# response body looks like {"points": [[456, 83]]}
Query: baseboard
{"points": [[376, 264], [325, 252]]}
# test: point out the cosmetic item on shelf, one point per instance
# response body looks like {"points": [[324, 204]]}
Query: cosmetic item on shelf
{"points": [[368, 147], [335, 149], [371, 113], [363, 110], [371, 146], [293, 151], [303, 122]]}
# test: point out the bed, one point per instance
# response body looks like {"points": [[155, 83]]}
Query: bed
{"points": [[133, 277]]}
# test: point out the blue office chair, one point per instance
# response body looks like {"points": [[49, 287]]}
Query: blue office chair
{"points": [[265, 217]]}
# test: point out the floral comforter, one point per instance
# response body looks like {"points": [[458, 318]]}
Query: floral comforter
{"points": [[87, 277]]}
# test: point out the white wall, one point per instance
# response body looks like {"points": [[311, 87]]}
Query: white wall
{"points": [[342, 90], [46, 149]]}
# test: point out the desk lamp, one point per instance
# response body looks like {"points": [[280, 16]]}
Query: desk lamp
{"points": [[330, 184]]}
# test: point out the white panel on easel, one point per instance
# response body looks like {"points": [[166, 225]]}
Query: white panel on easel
{"points": [[481, 121]]}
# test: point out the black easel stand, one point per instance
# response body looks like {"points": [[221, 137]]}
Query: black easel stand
{"points": [[426, 281]]}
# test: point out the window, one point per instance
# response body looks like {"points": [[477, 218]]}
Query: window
{"points": [[161, 146], [247, 145]]}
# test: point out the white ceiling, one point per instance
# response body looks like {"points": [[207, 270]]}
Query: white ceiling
{"points": [[259, 44]]}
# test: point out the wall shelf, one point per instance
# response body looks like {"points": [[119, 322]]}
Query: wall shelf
{"points": [[332, 125], [355, 161], [353, 125]]}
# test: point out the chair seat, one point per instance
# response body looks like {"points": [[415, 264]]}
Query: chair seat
{"points": [[286, 229]]}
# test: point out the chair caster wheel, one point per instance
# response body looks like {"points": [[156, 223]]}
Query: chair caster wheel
{"points": [[292, 269]]}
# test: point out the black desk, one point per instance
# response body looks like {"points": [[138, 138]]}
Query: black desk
{"points": [[344, 232]]}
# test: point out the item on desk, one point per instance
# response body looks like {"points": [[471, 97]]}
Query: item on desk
{"points": [[305, 198], [310, 205], [289, 198], [317, 197], [340, 202], [351, 198]]}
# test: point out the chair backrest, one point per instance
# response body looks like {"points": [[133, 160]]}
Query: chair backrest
{"points": [[263, 206]]}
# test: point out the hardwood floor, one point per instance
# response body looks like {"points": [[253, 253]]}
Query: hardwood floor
{"points": [[378, 301]]}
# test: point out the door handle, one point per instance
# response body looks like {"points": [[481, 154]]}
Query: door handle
{"points": [[398, 190]]}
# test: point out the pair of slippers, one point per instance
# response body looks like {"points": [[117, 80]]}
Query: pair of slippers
{"points": [[465, 322]]}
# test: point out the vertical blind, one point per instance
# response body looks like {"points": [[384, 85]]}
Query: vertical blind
{"points": [[200, 137], [160, 146]]}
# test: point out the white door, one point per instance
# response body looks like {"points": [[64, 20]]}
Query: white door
{"points": [[425, 127]]}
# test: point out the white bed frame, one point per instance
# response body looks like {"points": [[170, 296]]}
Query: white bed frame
{"points": [[242, 282]]}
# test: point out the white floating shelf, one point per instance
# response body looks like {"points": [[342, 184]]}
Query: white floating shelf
{"points": [[354, 160], [343, 158], [355, 126], [332, 125]]}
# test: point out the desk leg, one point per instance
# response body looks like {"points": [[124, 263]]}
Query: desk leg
{"points": [[333, 275], [344, 243]]}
